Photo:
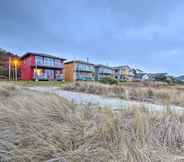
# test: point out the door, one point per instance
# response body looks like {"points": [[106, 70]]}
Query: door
{"points": [[49, 74]]}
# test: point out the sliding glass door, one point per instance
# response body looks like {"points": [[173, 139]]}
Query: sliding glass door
{"points": [[49, 74]]}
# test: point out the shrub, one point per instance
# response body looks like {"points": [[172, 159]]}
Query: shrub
{"points": [[108, 80]]}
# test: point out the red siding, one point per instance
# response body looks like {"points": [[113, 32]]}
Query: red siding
{"points": [[26, 70]]}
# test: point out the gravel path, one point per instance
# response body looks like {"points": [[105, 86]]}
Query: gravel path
{"points": [[114, 103]]}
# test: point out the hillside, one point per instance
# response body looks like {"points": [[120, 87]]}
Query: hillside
{"points": [[39, 127], [4, 64], [180, 78]]}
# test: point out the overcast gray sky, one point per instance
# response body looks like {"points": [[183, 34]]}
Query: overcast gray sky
{"points": [[147, 34]]}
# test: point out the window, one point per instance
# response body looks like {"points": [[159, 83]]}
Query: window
{"points": [[57, 62], [39, 60], [84, 76], [49, 61], [84, 67], [39, 73]]}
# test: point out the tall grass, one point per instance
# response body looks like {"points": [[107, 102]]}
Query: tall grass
{"points": [[36, 127], [158, 93]]}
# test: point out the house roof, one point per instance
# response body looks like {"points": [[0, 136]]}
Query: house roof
{"points": [[41, 54], [100, 65], [9, 54], [122, 67], [78, 61]]}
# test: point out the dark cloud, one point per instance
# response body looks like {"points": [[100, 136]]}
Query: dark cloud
{"points": [[144, 33]]}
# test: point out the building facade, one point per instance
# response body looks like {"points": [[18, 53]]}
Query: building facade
{"points": [[122, 73], [102, 71], [79, 70], [37, 66]]}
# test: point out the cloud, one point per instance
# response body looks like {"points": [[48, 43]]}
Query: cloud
{"points": [[146, 33]]}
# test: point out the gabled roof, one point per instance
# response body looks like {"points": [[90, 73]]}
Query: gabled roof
{"points": [[100, 65], [78, 61], [41, 54], [12, 55]]}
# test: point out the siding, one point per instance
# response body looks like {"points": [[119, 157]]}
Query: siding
{"points": [[69, 73], [26, 70]]}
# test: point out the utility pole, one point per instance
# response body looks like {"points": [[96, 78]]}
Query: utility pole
{"points": [[9, 68], [36, 75], [16, 70]]}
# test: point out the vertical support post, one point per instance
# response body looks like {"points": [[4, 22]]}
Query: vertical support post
{"points": [[16, 78], [9, 68], [13, 72], [36, 72]]}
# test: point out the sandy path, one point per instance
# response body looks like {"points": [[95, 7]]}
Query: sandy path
{"points": [[114, 103]]}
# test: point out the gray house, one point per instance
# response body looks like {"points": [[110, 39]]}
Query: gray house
{"points": [[102, 71]]}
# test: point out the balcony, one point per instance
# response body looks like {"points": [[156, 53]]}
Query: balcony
{"points": [[85, 69], [44, 76], [50, 66], [84, 76], [50, 63]]}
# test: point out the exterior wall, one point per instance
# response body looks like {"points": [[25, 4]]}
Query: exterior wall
{"points": [[50, 70], [117, 73], [69, 72], [101, 72], [79, 71], [124, 73], [26, 70], [85, 72]]}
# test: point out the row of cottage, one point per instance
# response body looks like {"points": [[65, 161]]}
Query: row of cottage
{"points": [[36, 66]]}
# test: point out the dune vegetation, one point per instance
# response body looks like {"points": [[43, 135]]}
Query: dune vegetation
{"points": [[152, 92], [36, 127]]}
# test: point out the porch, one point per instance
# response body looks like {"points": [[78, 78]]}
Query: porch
{"points": [[48, 74]]}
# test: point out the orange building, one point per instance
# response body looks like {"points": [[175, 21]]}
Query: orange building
{"points": [[79, 70]]}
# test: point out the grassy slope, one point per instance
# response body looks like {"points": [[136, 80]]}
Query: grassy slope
{"points": [[38, 127], [147, 92]]}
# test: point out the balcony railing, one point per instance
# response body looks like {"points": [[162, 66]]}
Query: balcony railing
{"points": [[79, 77], [45, 77], [85, 69], [50, 65]]}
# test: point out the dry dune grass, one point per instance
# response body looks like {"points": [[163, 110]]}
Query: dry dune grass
{"points": [[158, 93], [43, 127]]}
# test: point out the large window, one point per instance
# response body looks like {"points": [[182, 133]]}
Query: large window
{"points": [[39, 73], [48, 61], [49, 74], [105, 70], [84, 76], [39, 60], [58, 63], [59, 75], [85, 67]]}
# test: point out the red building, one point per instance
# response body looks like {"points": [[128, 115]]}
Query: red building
{"points": [[36, 66]]}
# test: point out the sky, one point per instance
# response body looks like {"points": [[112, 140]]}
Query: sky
{"points": [[145, 34]]}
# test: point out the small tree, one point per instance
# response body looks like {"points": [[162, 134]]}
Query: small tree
{"points": [[108, 80], [2, 70]]}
